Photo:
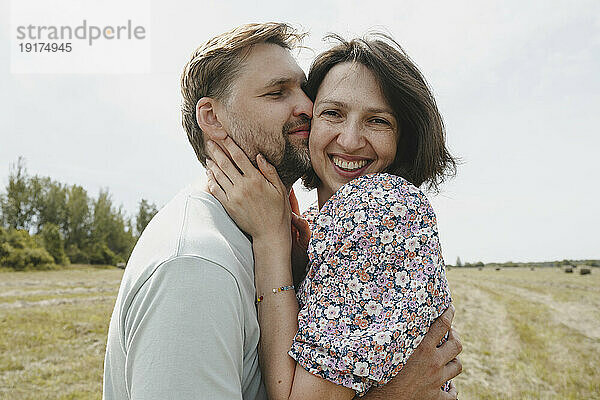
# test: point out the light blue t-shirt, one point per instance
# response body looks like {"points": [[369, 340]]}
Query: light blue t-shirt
{"points": [[184, 324]]}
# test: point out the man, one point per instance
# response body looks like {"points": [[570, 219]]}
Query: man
{"points": [[184, 324]]}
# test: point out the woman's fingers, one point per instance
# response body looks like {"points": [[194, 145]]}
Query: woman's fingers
{"points": [[294, 202], [296, 220], [301, 223], [238, 156], [218, 175], [225, 164], [269, 172], [302, 228], [214, 187]]}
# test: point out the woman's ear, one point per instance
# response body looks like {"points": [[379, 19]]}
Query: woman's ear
{"points": [[207, 119]]}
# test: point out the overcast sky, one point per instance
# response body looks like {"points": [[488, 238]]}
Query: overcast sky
{"points": [[517, 82]]}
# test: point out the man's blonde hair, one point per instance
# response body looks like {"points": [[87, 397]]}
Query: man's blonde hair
{"points": [[214, 66]]}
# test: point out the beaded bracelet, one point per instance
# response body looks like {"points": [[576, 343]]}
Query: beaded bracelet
{"points": [[283, 288], [277, 290]]}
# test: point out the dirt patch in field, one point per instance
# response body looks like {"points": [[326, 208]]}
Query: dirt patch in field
{"points": [[580, 316], [57, 292], [491, 345], [55, 302]]}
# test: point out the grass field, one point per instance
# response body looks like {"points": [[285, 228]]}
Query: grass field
{"points": [[526, 334]]}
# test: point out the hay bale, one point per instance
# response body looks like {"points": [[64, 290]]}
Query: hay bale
{"points": [[569, 270], [585, 271], [480, 268], [533, 269]]}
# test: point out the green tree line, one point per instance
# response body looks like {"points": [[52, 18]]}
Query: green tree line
{"points": [[44, 223]]}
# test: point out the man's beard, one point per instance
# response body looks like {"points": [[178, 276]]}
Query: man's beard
{"points": [[295, 161], [291, 163]]}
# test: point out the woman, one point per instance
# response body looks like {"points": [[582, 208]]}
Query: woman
{"points": [[375, 279]]}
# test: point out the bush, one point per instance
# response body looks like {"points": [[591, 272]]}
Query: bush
{"points": [[5, 250], [15, 259], [28, 258], [101, 254], [38, 258], [20, 251], [19, 239], [53, 243], [76, 255]]}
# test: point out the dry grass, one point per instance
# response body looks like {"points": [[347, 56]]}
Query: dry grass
{"points": [[526, 334], [53, 328]]}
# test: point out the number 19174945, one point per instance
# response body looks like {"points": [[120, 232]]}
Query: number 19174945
{"points": [[39, 47]]}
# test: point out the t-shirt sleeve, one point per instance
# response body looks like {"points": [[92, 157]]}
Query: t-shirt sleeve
{"points": [[183, 334], [376, 283]]}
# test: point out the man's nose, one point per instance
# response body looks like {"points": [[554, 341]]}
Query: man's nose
{"points": [[303, 106], [351, 138]]}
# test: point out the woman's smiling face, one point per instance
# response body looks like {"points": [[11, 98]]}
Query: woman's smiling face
{"points": [[354, 131]]}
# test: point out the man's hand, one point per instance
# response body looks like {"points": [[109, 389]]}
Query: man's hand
{"points": [[428, 368]]}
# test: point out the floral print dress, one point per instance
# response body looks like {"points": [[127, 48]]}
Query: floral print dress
{"points": [[375, 282]]}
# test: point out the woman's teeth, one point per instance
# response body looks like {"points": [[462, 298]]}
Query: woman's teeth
{"points": [[349, 165]]}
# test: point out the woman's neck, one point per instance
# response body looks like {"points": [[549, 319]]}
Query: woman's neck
{"points": [[322, 196]]}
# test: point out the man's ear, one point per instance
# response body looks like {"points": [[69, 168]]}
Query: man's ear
{"points": [[207, 119]]}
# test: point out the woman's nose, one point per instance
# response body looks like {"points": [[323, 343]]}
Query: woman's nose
{"points": [[351, 137]]}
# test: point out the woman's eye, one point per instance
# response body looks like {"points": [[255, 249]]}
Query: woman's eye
{"points": [[380, 121], [330, 113]]}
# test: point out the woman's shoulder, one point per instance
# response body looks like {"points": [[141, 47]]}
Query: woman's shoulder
{"points": [[377, 185], [375, 192], [382, 178]]}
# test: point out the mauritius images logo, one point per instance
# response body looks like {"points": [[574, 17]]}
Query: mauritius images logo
{"points": [[83, 32]]}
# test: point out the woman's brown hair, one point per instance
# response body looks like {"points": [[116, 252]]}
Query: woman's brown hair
{"points": [[421, 155]]}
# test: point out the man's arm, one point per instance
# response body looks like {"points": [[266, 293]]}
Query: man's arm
{"points": [[428, 368], [184, 334]]}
